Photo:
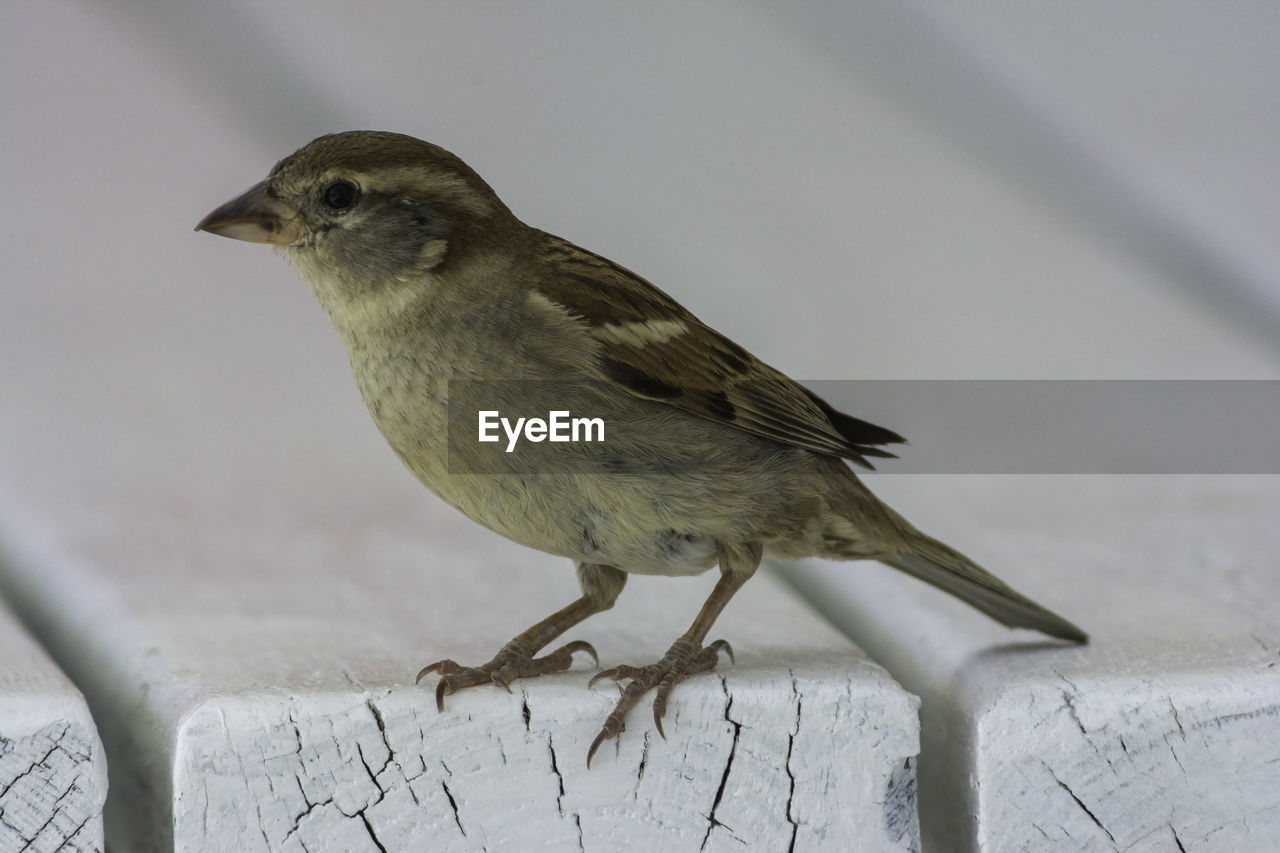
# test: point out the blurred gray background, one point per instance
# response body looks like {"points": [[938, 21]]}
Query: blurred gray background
{"points": [[852, 191]]}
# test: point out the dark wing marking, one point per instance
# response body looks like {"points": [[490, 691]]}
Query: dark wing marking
{"points": [[654, 348]]}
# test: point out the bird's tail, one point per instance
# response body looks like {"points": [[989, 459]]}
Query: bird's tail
{"points": [[949, 570], [896, 542]]}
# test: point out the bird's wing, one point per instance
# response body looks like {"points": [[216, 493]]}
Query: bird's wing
{"points": [[654, 348]]}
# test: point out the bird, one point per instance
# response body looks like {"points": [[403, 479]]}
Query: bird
{"points": [[449, 305]]}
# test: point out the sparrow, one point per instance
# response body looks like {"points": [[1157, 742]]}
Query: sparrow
{"points": [[713, 459]]}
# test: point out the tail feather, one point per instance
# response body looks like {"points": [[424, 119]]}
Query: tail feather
{"points": [[949, 570], [861, 526]]}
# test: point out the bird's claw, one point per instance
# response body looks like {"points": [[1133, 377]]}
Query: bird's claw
{"points": [[441, 666], [719, 646], [682, 659], [514, 661]]}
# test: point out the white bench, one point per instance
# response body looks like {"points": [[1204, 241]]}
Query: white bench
{"points": [[208, 535]]}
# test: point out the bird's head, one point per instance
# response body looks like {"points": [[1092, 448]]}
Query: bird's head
{"points": [[357, 211]]}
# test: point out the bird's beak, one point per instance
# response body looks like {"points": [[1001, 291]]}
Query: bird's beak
{"points": [[256, 217]]}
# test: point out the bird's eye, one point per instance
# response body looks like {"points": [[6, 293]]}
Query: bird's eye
{"points": [[340, 195]]}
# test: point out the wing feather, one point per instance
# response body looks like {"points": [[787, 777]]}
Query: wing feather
{"points": [[654, 348]]}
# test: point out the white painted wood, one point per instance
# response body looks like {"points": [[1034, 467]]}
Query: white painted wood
{"points": [[263, 668], [53, 776], [749, 758], [1163, 732]]}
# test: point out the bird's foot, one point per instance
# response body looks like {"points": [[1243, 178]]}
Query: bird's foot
{"points": [[515, 660], [685, 657]]}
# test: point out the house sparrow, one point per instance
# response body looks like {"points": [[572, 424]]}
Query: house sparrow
{"points": [[431, 280]]}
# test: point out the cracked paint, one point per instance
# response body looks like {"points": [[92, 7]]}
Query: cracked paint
{"points": [[555, 769], [373, 836], [1084, 757], [1070, 703], [1176, 718], [640, 768], [374, 772], [453, 803], [791, 776], [382, 730], [712, 823], [1079, 802], [901, 823], [50, 794]]}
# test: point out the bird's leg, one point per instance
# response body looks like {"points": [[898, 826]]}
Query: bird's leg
{"points": [[600, 586], [686, 655]]}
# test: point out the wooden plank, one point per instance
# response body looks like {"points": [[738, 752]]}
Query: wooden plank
{"points": [[53, 775], [1164, 731], [260, 662]]}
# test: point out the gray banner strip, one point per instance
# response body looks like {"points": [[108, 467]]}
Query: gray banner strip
{"points": [[1071, 426], [952, 426]]}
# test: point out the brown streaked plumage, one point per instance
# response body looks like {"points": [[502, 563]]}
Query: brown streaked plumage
{"points": [[693, 367]]}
